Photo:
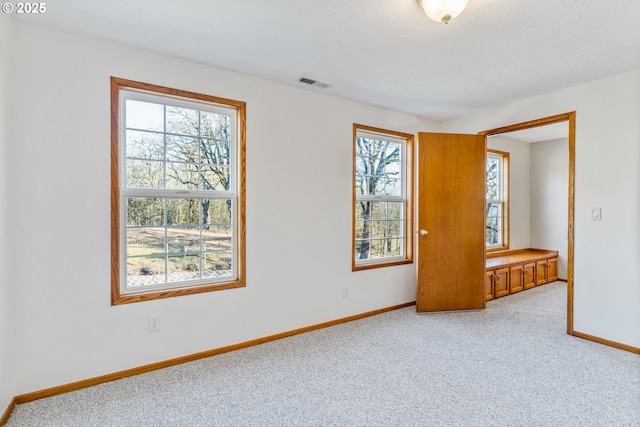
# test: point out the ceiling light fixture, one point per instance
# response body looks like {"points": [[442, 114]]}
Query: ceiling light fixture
{"points": [[443, 10]]}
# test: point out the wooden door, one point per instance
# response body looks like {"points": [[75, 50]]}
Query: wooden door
{"points": [[529, 275], [451, 239], [552, 272], [541, 272], [488, 286], [502, 282], [517, 279]]}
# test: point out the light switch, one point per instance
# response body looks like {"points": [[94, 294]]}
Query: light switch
{"points": [[596, 214]]}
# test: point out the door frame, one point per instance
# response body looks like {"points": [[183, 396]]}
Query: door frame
{"points": [[571, 119]]}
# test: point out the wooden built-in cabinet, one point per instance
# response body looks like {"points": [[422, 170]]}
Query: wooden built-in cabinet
{"points": [[522, 277], [517, 278], [529, 279], [546, 271], [488, 285], [509, 272], [496, 283], [501, 277], [552, 272]]}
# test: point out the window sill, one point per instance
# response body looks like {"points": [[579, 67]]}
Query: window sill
{"points": [[389, 263], [117, 298]]}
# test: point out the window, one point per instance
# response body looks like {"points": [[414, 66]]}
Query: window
{"points": [[497, 233], [177, 207], [382, 198]]}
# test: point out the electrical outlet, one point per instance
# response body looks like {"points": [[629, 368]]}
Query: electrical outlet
{"points": [[345, 292], [154, 323]]}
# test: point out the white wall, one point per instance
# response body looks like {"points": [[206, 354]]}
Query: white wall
{"points": [[299, 174], [539, 194], [519, 205], [607, 287], [7, 379], [549, 195]]}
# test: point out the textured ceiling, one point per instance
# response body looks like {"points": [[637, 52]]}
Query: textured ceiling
{"points": [[539, 134], [383, 52]]}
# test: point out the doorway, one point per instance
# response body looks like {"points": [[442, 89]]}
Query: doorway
{"points": [[568, 118]]}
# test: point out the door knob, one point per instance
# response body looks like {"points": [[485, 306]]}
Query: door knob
{"points": [[423, 232]]}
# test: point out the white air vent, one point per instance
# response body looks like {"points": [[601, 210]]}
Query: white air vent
{"points": [[314, 82]]}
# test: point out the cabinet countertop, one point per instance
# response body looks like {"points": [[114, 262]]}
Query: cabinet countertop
{"points": [[519, 256]]}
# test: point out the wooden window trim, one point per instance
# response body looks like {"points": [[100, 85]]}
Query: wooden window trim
{"points": [[409, 197], [117, 297], [505, 206]]}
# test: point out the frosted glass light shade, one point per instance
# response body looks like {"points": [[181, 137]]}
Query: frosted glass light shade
{"points": [[443, 10]]}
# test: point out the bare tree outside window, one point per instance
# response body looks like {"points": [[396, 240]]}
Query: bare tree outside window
{"points": [[493, 212], [497, 215], [378, 174], [381, 200], [177, 192], [173, 239]]}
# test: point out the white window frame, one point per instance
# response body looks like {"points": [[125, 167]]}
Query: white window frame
{"points": [[502, 199]]}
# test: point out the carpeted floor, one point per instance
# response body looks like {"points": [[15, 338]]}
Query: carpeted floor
{"points": [[509, 365]]}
